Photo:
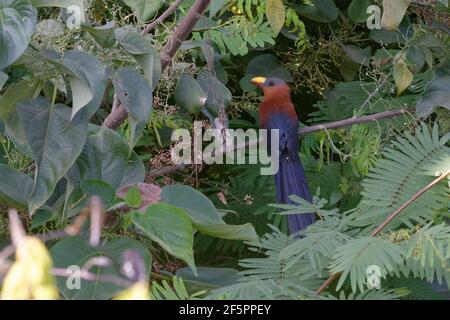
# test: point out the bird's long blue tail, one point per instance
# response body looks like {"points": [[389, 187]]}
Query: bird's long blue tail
{"points": [[291, 180]]}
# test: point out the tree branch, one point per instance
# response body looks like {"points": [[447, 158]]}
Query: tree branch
{"points": [[116, 118], [320, 127], [386, 222], [162, 17], [354, 120]]}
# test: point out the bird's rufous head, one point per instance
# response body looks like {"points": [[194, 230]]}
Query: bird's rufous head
{"points": [[271, 86]]}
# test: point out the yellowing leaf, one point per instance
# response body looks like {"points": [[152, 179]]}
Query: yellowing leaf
{"points": [[276, 14], [138, 291], [393, 12], [30, 276], [402, 75]]}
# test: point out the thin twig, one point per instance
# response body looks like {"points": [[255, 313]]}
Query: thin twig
{"points": [[386, 222], [116, 118], [88, 276], [320, 127], [96, 221], [162, 17]]}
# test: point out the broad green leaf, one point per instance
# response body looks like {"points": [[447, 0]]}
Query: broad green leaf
{"points": [[141, 48], [357, 10], [3, 78], [437, 93], [103, 35], [402, 75], [144, 9], [148, 193], [209, 278], [133, 197], [19, 91], [136, 95], [17, 23], [98, 188], [76, 252], [217, 93], [171, 228], [415, 57], [327, 8], [204, 215], [55, 142], [189, 94], [310, 12], [87, 77], [393, 12], [268, 65], [57, 3], [276, 14], [106, 156], [15, 187], [357, 54]]}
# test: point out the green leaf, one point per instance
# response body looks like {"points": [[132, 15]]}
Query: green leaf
{"points": [[209, 278], [55, 142], [98, 188], [17, 23], [415, 57], [266, 65], [171, 228], [276, 14], [3, 78], [189, 94], [402, 75], [107, 157], [393, 12], [15, 187], [57, 3], [357, 10], [133, 197], [355, 257], [217, 93], [19, 91], [135, 94], [144, 9], [437, 93], [88, 79], [357, 54], [327, 8], [76, 252], [204, 215], [103, 35], [141, 48]]}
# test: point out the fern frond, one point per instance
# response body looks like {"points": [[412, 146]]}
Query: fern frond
{"points": [[370, 295], [428, 254], [353, 259], [317, 247], [175, 291], [400, 175]]}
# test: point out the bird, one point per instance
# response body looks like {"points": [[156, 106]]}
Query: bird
{"points": [[278, 112]]}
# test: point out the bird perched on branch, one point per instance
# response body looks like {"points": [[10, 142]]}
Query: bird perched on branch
{"points": [[278, 112]]}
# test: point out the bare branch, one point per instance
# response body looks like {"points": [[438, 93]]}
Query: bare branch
{"points": [[386, 222], [320, 127], [96, 221], [15, 227], [116, 118], [162, 17]]}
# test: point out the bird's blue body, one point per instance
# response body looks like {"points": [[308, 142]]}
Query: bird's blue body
{"points": [[278, 112]]}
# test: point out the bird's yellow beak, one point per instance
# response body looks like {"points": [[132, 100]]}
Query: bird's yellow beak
{"points": [[258, 81]]}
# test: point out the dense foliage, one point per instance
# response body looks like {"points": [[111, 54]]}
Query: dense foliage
{"points": [[105, 213]]}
